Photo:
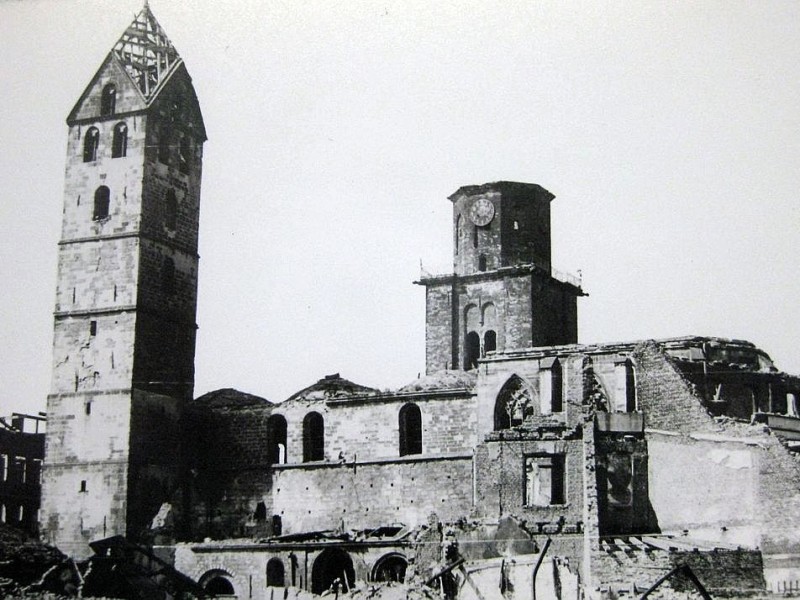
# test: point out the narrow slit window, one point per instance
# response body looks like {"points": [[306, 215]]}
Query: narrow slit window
{"points": [[171, 210], [92, 328], [83, 485], [119, 144], [185, 154], [482, 262]]}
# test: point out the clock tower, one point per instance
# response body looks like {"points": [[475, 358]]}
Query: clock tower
{"points": [[126, 294], [502, 294]]}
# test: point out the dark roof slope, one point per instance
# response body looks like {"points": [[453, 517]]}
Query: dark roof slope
{"points": [[230, 398], [333, 386], [441, 380]]}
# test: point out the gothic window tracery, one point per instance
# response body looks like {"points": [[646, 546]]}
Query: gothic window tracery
{"points": [[514, 404]]}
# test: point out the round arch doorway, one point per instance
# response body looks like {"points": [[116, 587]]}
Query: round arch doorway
{"points": [[330, 565]]}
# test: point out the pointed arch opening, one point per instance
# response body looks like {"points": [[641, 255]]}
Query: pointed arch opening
{"points": [[276, 439], [410, 425], [102, 203], [119, 142], [313, 437], [514, 404], [91, 142], [108, 100]]}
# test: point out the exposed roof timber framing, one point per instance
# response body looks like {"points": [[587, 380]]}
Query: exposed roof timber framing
{"points": [[146, 52]]}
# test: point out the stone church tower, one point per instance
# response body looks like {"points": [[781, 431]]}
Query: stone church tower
{"points": [[126, 296], [501, 295]]}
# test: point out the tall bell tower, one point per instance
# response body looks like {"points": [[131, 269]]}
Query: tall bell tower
{"points": [[126, 293], [502, 294]]}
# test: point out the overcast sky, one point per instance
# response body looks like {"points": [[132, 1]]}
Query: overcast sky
{"points": [[668, 131]]}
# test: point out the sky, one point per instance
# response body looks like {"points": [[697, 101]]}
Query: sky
{"points": [[669, 133]]}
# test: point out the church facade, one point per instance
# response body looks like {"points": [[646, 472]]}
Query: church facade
{"points": [[611, 464]]}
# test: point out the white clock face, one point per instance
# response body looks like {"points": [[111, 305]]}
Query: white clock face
{"points": [[481, 212]]}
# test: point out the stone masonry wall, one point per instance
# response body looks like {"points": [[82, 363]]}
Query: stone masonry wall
{"points": [[365, 495]]}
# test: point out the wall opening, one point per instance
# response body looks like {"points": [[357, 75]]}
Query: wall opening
{"points": [[514, 404], [184, 154], [473, 351], [171, 210], [544, 480], [108, 100], [91, 141], [275, 573], [119, 144], [391, 567], [276, 439], [482, 262], [330, 565], [410, 421], [550, 385], [458, 234], [489, 341], [475, 236], [164, 141], [92, 328], [102, 203], [313, 437], [625, 388], [219, 585], [260, 514]]}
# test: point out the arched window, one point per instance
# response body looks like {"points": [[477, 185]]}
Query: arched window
{"points": [[410, 419], [90, 143], [171, 210], [185, 154], [260, 513], [514, 404], [313, 437], [108, 101], [275, 573], [473, 351], [102, 202], [219, 585], [330, 565], [391, 567], [482, 262], [276, 439], [489, 341], [119, 143], [168, 275]]}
